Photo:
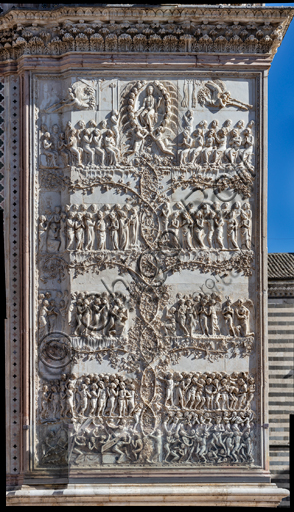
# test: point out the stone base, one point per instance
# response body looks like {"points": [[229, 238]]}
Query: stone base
{"points": [[230, 495]]}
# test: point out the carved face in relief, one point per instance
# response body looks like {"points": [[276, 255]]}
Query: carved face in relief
{"points": [[150, 90]]}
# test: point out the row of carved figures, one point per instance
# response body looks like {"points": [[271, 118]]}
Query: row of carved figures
{"points": [[204, 227], [224, 441], [117, 396], [205, 445], [81, 146], [79, 229], [89, 395], [201, 315], [100, 313], [91, 146], [213, 147], [209, 391]]}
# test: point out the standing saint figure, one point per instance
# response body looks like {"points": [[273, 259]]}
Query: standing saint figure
{"points": [[70, 224], [43, 226], [89, 225], [114, 227], [123, 230], [62, 232], [134, 225], [79, 231], [101, 232], [245, 225]]}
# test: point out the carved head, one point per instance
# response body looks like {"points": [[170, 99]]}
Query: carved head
{"points": [[55, 128], [203, 124], [81, 124], [150, 90]]}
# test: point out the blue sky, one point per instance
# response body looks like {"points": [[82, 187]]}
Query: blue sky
{"points": [[281, 146]]}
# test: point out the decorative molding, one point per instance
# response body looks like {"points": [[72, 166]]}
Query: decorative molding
{"points": [[33, 32], [283, 288], [12, 243]]}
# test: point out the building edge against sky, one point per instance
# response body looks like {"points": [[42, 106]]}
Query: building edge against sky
{"points": [[24, 51]]}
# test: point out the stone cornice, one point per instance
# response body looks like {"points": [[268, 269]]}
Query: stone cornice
{"points": [[281, 288], [164, 29]]}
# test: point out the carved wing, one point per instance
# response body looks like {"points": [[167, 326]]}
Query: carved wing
{"points": [[210, 90], [249, 303], [219, 84], [85, 93], [202, 95]]}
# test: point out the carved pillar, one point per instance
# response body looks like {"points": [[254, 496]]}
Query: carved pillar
{"points": [[142, 315]]}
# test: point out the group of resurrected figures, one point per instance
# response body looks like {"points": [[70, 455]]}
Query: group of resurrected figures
{"points": [[80, 229], [53, 315], [218, 430], [182, 438], [92, 395], [101, 313], [82, 146], [200, 315], [224, 438], [213, 147], [204, 227], [209, 391]]}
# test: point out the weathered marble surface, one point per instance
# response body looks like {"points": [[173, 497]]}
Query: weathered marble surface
{"points": [[157, 361], [230, 495], [143, 278]]}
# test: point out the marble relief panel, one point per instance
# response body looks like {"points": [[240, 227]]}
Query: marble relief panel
{"points": [[145, 321]]}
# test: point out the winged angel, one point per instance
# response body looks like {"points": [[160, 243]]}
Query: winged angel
{"points": [[80, 96], [214, 94]]}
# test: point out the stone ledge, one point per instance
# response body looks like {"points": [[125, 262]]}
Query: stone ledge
{"points": [[245, 495]]}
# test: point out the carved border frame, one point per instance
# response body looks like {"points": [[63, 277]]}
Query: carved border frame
{"points": [[13, 251]]}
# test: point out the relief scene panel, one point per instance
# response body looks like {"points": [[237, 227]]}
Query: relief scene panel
{"points": [[145, 222]]}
